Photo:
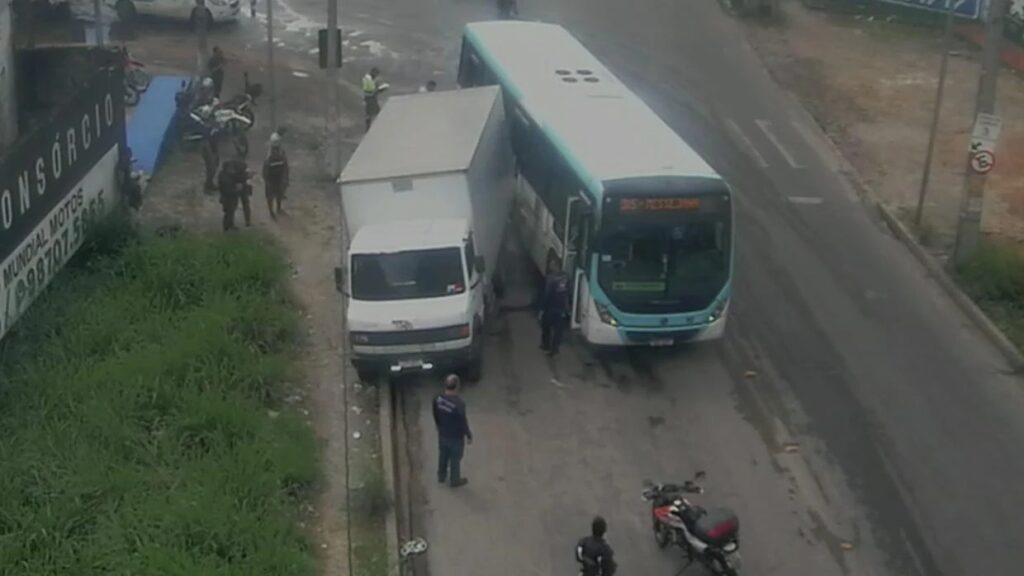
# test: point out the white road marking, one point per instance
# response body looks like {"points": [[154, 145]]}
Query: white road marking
{"points": [[810, 200], [814, 141], [299, 74], [766, 128], [745, 143]]}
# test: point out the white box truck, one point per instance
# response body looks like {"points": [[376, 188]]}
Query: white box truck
{"points": [[426, 197]]}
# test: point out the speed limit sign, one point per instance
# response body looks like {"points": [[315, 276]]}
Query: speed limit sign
{"points": [[983, 161]]}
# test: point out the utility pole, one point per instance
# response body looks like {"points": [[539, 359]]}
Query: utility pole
{"points": [[333, 57], [270, 65], [201, 17], [947, 36], [969, 226], [98, 18]]}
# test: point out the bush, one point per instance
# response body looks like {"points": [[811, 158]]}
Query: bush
{"points": [[135, 432], [995, 274]]}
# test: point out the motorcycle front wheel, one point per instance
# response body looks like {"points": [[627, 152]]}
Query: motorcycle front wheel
{"points": [[661, 534]]}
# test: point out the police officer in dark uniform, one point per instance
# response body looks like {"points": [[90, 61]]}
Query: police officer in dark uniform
{"points": [[452, 432], [595, 556], [234, 188], [554, 307]]}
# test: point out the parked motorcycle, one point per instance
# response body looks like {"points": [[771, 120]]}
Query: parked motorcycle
{"points": [[235, 116], [245, 103], [136, 78], [708, 537]]}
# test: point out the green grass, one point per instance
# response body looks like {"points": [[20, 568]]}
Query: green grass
{"points": [[994, 278], [141, 431], [369, 548]]}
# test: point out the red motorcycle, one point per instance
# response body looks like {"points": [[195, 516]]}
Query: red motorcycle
{"points": [[136, 79], [708, 537]]}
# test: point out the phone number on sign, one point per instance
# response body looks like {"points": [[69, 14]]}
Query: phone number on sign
{"points": [[67, 230]]}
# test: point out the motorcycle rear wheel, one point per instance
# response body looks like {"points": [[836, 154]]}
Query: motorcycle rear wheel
{"points": [[720, 567], [661, 534]]}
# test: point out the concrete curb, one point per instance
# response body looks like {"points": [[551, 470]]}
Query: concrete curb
{"points": [[996, 336], [387, 456], [1009, 350]]}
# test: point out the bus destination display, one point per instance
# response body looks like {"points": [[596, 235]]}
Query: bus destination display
{"points": [[644, 205]]}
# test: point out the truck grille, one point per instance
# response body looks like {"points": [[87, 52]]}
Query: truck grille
{"points": [[402, 337]]}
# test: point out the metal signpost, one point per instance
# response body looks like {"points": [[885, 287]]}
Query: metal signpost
{"points": [[333, 63], [270, 65], [946, 41]]}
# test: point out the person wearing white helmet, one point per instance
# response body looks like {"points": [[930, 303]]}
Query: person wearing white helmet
{"points": [[275, 175]]}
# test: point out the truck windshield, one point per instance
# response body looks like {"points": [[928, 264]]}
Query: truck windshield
{"points": [[408, 275]]}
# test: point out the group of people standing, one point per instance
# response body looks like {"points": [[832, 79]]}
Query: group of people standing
{"points": [[231, 178]]}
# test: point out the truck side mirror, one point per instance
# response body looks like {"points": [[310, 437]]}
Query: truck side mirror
{"points": [[479, 265], [339, 279]]}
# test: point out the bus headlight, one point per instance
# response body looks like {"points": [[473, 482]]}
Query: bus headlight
{"points": [[605, 315], [719, 310]]}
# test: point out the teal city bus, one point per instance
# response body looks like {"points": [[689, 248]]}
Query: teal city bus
{"points": [[639, 220]]}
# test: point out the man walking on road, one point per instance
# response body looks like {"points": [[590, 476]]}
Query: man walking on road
{"points": [[593, 552], [452, 432], [554, 307]]}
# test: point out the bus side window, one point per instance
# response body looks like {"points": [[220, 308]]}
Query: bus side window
{"points": [[471, 70], [563, 185]]}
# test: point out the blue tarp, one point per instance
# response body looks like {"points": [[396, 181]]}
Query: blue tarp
{"points": [[152, 120]]}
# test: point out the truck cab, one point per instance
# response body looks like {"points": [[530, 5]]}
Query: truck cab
{"points": [[416, 298]]}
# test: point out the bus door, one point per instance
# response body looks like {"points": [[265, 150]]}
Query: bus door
{"points": [[574, 249]]}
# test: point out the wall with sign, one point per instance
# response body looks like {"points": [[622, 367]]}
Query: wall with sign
{"points": [[55, 183], [8, 112]]}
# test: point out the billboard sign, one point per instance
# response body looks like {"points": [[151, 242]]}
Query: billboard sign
{"points": [[54, 183]]}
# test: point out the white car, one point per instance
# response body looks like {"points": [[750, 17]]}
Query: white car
{"points": [[219, 10]]}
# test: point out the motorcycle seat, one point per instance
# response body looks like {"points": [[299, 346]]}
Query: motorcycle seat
{"points": [[716, 526]]}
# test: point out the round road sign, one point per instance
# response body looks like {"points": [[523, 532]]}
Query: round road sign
{"points": [[983, 161]]}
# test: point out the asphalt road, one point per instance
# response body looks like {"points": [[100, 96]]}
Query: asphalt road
{"points": [[851, 402]]}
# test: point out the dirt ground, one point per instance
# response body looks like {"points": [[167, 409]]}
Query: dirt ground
{"points": [[871, 84]]}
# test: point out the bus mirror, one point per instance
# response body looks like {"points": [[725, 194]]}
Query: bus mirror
{"points": [[479, 265]]}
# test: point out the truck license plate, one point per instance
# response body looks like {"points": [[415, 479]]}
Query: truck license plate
{"points": [[405, 364], [662, 342]]}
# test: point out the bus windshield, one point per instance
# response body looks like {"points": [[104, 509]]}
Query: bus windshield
{"points": [[408, 275], [666, 269]]}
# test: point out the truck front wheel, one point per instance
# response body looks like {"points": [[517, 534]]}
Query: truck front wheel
{"points": [[475, 368], [366, 376]]}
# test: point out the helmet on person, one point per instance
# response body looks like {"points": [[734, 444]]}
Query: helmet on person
{"points": [[207, 82], [275, 139]]}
